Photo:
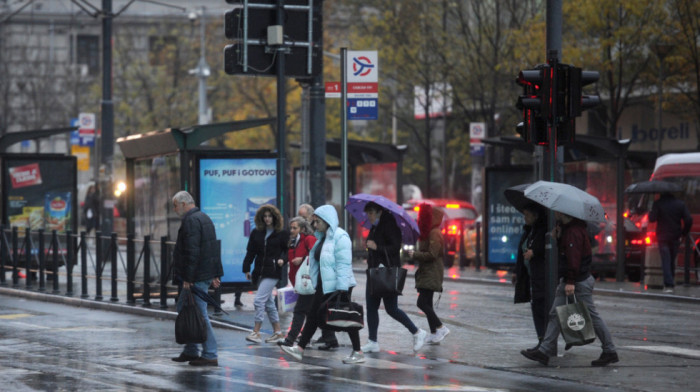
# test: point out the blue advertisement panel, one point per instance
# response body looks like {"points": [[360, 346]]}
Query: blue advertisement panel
{"points": [[230, 192], [504, 223]]}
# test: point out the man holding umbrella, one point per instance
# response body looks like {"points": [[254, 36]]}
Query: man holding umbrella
{"points": [[574, 264]]}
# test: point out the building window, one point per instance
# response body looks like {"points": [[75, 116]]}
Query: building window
{"points": [[161, 50], [88, 53]]}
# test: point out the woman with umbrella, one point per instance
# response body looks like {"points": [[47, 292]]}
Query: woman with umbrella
{"points": [[383, 246], [330, 269], [529, 275]]}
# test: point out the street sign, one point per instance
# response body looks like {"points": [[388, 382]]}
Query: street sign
{"points": [[363, 109], [333, 90], [362, 66], [477, 133]]}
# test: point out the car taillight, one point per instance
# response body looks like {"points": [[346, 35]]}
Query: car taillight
{"points": [[650, 238], [452, 230]]}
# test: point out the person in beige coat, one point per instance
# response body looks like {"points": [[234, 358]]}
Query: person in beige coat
{"points": [[429, 274]]}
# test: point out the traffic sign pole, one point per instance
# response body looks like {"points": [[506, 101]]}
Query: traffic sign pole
{"points": [[344, 134]]}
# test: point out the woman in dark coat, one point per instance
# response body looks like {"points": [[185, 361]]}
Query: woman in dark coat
{"points": [[383, 246], [530, 266], [430, 270], [267, 248]]}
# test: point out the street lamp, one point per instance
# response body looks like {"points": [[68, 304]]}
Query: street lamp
{"points": [[202, 71]]}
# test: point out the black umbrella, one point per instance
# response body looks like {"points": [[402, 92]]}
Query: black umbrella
{"points": [[207, 298], [516, 196], [653, 187]]}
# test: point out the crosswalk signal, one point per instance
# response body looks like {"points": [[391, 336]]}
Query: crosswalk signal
{"points": [[577, 101], [535, 102]]}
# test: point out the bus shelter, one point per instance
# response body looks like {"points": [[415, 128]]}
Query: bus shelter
{"points": [[222, 181], [600, 166]]}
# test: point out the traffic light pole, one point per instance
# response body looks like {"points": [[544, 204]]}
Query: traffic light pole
{"points": [[281, 118]]}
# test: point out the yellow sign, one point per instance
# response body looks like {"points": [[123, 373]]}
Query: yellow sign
{"points": [[83, 155]]}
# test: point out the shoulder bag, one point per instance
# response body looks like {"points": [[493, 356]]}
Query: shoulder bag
{"points": [[385, 281], [302, 282]]}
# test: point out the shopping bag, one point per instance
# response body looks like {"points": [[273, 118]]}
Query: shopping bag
{"points": [[386, 280], [575, 322], [302, 283], [286, 299], [338, 314], [190, 326]]}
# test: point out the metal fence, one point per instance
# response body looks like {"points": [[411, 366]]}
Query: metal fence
{"points": [[142, 268]]}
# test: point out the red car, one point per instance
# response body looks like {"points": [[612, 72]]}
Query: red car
{"points": [[460, 217]]}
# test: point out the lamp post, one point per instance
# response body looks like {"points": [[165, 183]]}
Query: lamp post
{"points": [[202, 71], [662, 50]]}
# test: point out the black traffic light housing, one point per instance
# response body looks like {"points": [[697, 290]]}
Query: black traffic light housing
{"points": [[535, 103]]}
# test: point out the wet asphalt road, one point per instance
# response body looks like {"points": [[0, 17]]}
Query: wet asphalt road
{"points": [[53, 347]]}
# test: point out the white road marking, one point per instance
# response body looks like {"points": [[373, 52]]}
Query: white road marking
{"points": [[397, 387], [667, 350], [252, 384]]}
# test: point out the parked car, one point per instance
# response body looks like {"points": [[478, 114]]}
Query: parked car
{"points": [[460, 217]]}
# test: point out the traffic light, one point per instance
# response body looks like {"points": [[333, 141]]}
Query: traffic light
{"points": [[577, 101], [535, 102]]}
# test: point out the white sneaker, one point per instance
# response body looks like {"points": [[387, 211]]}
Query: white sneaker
{"points": [[275, 337], [354, 357], [440, 334], [431, 339], [370, 347], [254, 337], [295, 351], [419, 339]]}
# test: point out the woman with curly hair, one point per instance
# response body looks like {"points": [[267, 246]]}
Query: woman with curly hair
{"points": [[430, 268], [267, 248]]}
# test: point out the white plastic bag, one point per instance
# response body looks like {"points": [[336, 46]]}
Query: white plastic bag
{"points": [[302, 283]]}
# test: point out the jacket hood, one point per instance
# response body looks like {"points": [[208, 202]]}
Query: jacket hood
{"points": [[438, 215], [329, 215]]}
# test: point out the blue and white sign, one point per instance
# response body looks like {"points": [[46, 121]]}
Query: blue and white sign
{"points": [[363, 109], [78, 139]]}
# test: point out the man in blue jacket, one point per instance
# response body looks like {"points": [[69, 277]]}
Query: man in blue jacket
{"points": [[196, 262], [670, 213]]}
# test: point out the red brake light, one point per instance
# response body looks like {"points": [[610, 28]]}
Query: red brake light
{"points": [[626, 214], [416, 208], [452, 206]]}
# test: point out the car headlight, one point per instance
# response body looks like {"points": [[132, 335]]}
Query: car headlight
{"points": [[406, 248]]}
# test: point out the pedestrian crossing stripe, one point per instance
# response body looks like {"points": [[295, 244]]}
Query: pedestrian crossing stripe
{"points": [[14, 316], [686, 352]]}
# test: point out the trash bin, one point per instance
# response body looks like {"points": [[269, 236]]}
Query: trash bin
{"points": [[653, 273]]}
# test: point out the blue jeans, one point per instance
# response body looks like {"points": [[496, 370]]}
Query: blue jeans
{"points": [[209, 350], [391, 305], [668, 250], [584, 293], [264, 301]]}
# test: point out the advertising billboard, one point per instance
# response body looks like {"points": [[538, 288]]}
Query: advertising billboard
{"points": [[503, 223], [39, 192], [230, 192]]}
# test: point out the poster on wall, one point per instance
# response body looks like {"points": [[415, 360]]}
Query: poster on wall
{"points": [[504, 223], [230, 191], [39, 192]]}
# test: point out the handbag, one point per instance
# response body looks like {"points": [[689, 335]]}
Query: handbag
{"points": [[286, 299], [576, 324], [302, 283], [382, 281], [190, 326], [339, 314]]}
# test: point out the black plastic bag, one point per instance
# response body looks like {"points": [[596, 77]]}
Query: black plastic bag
{"points": [[576, 324], [190, 326]]}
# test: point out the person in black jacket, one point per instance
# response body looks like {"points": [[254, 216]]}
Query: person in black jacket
{"points": [[383, 246], [529, 276], [196, 262], [669, 213], [267, 248]]}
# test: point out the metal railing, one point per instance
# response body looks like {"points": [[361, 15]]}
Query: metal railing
{"points": [[691, 249], [144, 276]]}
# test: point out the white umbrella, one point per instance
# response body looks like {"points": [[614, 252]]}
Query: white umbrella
{"points": [[566, 199]]}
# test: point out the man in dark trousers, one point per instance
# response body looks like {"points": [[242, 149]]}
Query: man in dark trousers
{"points": [[673, 222], [574, 279], [196, 262]]}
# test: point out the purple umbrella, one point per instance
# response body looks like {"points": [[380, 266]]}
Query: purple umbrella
{"points": [[409, 228]]}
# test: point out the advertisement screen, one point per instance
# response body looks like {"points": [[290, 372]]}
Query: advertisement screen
{"points": [[504, 224], [230, 191], [39, 192]]}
